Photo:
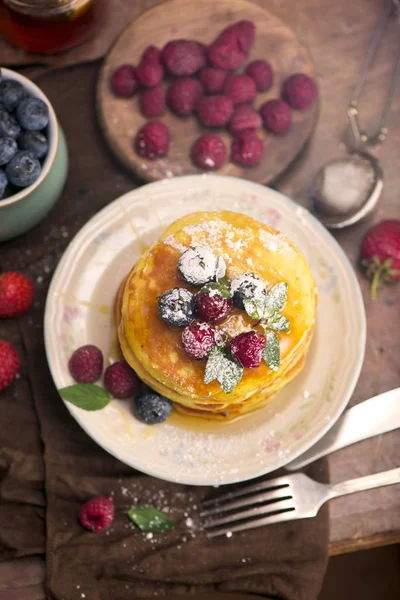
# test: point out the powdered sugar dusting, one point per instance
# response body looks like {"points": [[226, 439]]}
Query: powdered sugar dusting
{"points": [[198, 265], [274, 242], [170, 241]]}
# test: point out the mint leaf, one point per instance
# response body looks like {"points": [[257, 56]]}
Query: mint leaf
{"points": [[279, 323], [214, 364], [272, 352], [86, 395], [222, 289], [224, 369], [255, 307], [275, 299], [148, 518]]}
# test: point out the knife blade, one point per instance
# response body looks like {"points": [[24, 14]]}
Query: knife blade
{"points": [[372, 417]]}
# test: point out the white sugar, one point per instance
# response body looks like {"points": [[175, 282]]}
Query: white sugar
{"points": [[274, 242], [170, 241]]}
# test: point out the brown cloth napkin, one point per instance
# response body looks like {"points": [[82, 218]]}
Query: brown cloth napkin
{"points": [[285, 561]]}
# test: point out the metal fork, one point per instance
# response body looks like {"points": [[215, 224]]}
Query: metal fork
{"points": [[281, 499]]}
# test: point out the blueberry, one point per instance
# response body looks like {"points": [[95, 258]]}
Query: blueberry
{"points": [[9, 126], [23, 169], [11, 94], [34, 141], [8, 148], [3, 183], [33, 114], [175, 307], [151, 408], [246, 286], [197, 265]]}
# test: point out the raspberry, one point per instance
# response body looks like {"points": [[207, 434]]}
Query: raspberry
{"points": [[183, 95], [276, 116], [208, 152], [152, 102], [225, 52], [244, 118], [261, 72], [97, 514], [247, 149], [215, 111], [240, 88], [16, 294], [86, 364], [248, 348], [149, 74], [9, 363], [121, 381], [212, 307], [299, 91], [183, 57], [198, 340], [124, 82], [152, 140], [212, 80], [151, 55], [245, 33]]}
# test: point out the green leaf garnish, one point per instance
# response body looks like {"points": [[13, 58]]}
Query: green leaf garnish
{"points": [[272, 352], [224, 369], [276, 299], [86, 395], [255, 307], [202, 264], [222, 289], [279, 323], [148, 518]]}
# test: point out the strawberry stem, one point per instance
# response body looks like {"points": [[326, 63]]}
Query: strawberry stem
{"points": [[375, 282]]}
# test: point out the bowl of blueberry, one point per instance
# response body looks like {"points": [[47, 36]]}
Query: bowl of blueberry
{"points": [[33, 155]]}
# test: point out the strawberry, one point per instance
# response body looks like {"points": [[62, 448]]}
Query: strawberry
{"points": [[380, 253], [9, 363], [16, 294]]}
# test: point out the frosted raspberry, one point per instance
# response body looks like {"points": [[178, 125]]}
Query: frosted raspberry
{"points": [[183, 95], [248, 348], [152, 102], [300, 91], [261, 72], [124, 82], [121, 380], [152, 140], [198, 340], [215, 111], [97, 514], [240, 88], [244, 118], [208, 152], [183, 57], [212, 80], [276, 116], [247, 149], [86, 364], [212, 307]]}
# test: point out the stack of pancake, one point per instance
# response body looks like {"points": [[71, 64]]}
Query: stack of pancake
{"points": [[154, 349]]}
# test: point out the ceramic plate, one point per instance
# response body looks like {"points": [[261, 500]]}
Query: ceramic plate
{"points": [[80, 311]]}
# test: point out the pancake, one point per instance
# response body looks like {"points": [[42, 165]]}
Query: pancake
{"points": [[154, 349]]}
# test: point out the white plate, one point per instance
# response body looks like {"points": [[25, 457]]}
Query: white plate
{"points": [[79, 311]]}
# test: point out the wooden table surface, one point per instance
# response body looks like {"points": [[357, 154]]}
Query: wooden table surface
{"points": [[337, 34]]}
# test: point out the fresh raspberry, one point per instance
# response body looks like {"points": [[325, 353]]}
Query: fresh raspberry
{"points": [[261, 72], [208, 152], [212, 307], [248, 348], [212, 80], [16, 294], [276, 116], [121, 380], [247, 149], [215, 111], [240, 88], [9, 363], [245, 32], [183, 95], [124, 82], [380, 253], [97, 514], [152, 102], [152, 140], [198, 340], [244, 118], [86, 364], [225, 52], [151, 55], [300, 91], [183, 57], [149, 74]]}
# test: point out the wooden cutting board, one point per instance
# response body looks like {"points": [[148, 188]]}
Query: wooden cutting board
{"points": [[275, 42]]}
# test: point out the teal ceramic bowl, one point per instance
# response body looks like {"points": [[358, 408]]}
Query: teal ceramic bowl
{"points": [[26, 208]]}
